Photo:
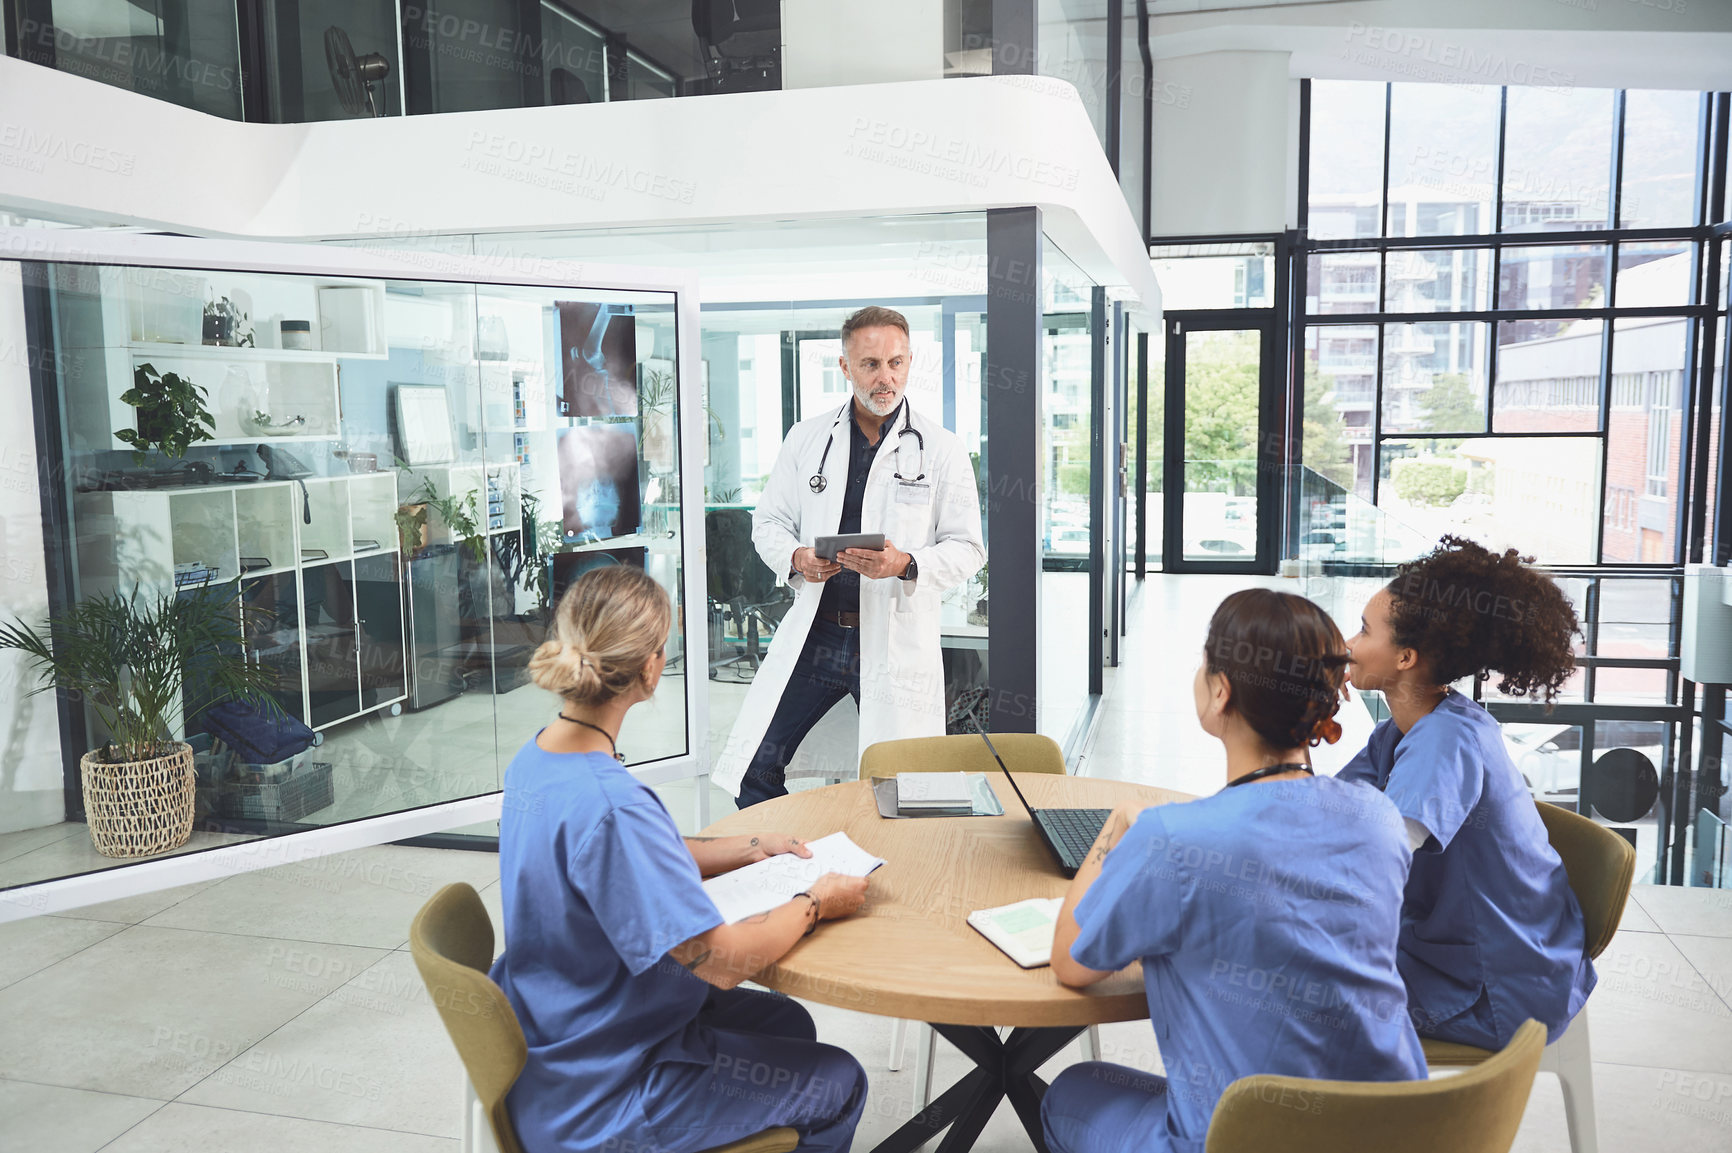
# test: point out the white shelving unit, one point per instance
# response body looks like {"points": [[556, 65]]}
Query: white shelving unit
{"points": [[155, 317], [267, 529]]}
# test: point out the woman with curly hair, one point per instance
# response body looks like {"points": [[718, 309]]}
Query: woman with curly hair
{"points": [[1491, 933]]}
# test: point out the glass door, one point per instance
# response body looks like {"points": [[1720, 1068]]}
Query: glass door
{"points": [[1220, 451]]}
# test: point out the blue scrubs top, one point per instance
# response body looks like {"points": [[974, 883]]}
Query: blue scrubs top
{"points": [[1491, 933], [1265, 918], [598, 886]]}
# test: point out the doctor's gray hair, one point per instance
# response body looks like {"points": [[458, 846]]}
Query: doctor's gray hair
{"points": [[872, 316], [607, 626]]}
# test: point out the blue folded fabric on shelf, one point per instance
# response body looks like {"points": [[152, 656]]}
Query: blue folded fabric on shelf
{"points": [[258, 733]]}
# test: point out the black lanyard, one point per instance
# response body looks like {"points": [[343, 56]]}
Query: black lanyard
{"points": [[1270, 771]]}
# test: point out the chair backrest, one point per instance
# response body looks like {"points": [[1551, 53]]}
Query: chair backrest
{"points": [[964, 753], [452, 942], [727, 540], [1601, 866], [733, 567], [1478, 1110]]}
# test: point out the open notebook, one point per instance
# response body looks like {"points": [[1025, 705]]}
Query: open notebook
{"points": [[763, 885], [1023, 931]]}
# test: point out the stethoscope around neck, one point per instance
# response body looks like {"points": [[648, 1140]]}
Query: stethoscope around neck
{"points": [[819, 482]]}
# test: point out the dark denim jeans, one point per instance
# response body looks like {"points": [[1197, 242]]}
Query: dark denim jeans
{"points": [[827, 671]]}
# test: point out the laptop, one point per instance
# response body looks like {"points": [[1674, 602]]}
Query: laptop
{"points": [[1068, 833]]}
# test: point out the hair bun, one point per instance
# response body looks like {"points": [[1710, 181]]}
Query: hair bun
{"points": [[1327, 730], [607, 626]]}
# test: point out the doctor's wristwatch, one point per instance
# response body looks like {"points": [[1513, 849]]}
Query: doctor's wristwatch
{"points": [[912, 571]]}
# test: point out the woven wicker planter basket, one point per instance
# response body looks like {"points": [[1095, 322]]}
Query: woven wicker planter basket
{"points": [[138, 808]]}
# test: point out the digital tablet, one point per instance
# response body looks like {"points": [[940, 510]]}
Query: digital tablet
{"points": [[828, 546]]}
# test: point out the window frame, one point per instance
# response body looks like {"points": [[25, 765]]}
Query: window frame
{"points": [[1703, 304]]}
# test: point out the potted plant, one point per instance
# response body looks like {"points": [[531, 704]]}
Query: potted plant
{"points": [[171, 413], [979, 614], [135, 662], [656, 406], [224, 321], [462, 515], [542, 537]]}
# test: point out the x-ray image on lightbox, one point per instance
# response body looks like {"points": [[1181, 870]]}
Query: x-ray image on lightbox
{"points": [[598, 347], [598, 481]]}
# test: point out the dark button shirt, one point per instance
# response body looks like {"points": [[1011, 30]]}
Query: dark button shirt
{"points": [[842, 591]]}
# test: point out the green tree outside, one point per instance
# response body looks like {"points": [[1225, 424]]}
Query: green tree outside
{"points": [[1221, 413], [1324, 449], [1429, 482], [1450, 405]]}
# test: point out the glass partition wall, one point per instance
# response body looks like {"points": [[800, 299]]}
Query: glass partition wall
{"points": [[385, 482], [1068, 518], [774, 296]]}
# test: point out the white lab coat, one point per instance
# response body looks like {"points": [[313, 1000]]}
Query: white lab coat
{"points": [[901, 666]]}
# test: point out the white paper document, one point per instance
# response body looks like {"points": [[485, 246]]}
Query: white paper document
{"points": [[762, 885], [933, 791]]}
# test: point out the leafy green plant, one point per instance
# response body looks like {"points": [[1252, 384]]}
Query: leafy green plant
{"points": [[411, 519], [657, 390], [542, 537], [1450, 405], [264, 421], [462, 515], [171, 413], [223, 316], [1324, 446], [135, 660], [656, 394], [1426, 481]]}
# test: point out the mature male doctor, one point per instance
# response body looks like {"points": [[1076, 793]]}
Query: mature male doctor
{"points": [[866, 625]]}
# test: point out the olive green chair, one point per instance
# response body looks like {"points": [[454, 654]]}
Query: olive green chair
{"points": [[452, 942], [963, 753], [1475, 1112], [1601, 865]]}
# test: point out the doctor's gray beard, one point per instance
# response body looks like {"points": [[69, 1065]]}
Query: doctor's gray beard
{"points": [[873, 405]]}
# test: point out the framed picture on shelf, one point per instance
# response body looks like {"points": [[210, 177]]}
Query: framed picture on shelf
{"points": [[424, 424]]}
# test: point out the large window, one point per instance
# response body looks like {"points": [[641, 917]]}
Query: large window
{"points": [[1488, 351], [344, 59], [1505, 313], [186, 52]]}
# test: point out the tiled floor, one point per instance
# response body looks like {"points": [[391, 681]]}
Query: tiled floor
{"points": [[280, 1010]]}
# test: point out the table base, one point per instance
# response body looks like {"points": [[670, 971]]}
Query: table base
{"points": [[1004, 1067]]}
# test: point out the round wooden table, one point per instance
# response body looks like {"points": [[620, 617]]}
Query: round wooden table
{"points": [[911, 953]]}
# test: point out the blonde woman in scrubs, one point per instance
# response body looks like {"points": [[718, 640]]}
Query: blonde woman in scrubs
{"points": [[617, 963]]}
